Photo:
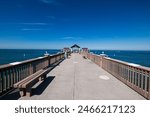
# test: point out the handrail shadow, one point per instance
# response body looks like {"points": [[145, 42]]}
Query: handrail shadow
{"points": [[13, 95]]}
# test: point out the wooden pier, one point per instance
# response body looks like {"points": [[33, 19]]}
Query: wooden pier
{"points": [[17, 71], [78, 78]]}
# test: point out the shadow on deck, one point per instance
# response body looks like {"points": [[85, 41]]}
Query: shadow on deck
{"points": [[40, 89], [14, 95]]}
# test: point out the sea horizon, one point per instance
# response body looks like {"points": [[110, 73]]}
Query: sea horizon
{"points": [[141, 57], [62, 48]]}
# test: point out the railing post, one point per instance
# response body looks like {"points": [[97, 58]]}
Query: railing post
{"points": [[4, 81], [49, 60], [149, 85], [30, 69], [1, 87], [102, 60]]}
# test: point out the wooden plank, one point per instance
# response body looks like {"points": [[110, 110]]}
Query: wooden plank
{"points": [[1, 88], [28, 70], [21, 72], [131, 79], [146, 82], [7, 79], [14, 78], [143, 80], [30, 82], [148, 85], [10, 77], [134, 77], [27, 79], [4, 80]]}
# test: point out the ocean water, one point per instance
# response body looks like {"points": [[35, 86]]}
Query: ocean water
{"points": [[137, 57], [15, 55]]}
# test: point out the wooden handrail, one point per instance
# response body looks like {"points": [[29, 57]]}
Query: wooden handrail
{"points": [[14, 72], [135, 76]]}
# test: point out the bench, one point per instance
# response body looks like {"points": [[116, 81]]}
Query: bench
{"points": [[26, 84]]}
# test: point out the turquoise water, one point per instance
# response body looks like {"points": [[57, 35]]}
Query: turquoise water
{"points": [[14, 55], [138, 57]]}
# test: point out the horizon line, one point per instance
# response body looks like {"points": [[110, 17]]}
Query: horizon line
{"points": [[81, 48]]}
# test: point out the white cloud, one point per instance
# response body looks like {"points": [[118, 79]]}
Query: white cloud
{"points": [[47, 1], [69, 37], [54, 2], [30, 29], [34, 23]]}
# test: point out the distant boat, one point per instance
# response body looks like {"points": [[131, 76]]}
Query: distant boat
{"points": [[103, 54], [46, 53]]}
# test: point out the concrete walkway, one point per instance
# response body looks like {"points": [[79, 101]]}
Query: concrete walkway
{"points": [[80, 79]]}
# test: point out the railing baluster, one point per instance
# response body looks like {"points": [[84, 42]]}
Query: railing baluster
{"points": [[139, 78], [14, 75], [8, 79], [135, 77], [19, 72], [26, 70], [10, 74], [4, 81], [11, 77], [1, 88], [148, 83], [22, 72], [142, 80]]}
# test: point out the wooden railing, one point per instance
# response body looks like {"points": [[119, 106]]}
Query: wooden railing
{"points": [[135, 76], [14, 72]]}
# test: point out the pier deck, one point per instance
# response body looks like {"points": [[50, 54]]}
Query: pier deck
{"points": [[77, 78]]}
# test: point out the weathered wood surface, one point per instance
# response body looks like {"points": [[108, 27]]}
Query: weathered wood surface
{"points": [[133, 75], [15, 72]]}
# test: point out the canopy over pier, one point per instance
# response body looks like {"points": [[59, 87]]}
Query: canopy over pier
{"points": [[75, 48]]}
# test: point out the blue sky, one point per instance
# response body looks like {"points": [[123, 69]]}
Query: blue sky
{"points": [[96, 24]]}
